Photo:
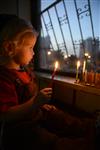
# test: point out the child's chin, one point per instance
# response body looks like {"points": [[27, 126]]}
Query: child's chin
{"points": [[25, 64], [28, 62]]}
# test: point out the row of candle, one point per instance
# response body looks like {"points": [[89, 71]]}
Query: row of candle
{"points": [[77, 69], [87, 78], [87, 56], [90, 78]]}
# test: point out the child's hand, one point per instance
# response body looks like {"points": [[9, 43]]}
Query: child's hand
{"points": [[47, 92], [49, 107], [43, 96]]}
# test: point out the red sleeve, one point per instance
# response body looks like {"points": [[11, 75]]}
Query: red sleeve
{"points": [[8, 96]]}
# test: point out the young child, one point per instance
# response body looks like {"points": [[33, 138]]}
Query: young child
{"points": [[27, 120], [18, 90]]}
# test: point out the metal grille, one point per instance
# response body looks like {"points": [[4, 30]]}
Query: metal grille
{"points": [[70, 28]]}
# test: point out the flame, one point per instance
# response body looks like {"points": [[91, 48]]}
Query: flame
{"points": [[56, 65], [84, 66], [78, 64]]}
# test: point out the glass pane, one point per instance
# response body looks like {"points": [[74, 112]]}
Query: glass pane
{"points": [[46, 3], [95, 8], [70, 32]]}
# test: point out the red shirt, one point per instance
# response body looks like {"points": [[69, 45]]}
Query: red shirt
{"points": [[16, 87], [8, 95]]}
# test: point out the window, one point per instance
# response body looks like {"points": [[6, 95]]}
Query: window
{"points": [[70, 31]]}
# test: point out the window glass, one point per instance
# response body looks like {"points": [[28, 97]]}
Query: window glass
{"points": [[46, 3], [70, 31]]}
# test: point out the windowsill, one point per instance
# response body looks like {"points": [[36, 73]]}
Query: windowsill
{"points": [[70, 81]]}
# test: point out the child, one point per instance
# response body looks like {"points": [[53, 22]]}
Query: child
{"points": [[24, 113], [17, 39]]}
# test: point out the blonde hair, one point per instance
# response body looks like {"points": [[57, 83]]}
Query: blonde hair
{"points": [[14, 30]]}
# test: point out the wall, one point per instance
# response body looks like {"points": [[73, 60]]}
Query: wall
{"points": [[67, 92], [24, 10], [18, 7]]}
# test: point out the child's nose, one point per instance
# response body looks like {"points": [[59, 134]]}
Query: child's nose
{"points": [[33, 53]]}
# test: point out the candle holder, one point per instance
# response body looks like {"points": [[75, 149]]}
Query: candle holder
{"points": [[97, 80]]}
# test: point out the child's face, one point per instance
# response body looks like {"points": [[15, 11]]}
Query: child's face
{"points": [[25, 52]]}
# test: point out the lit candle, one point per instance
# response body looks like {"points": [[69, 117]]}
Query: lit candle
{"points": [[84, 71], [55, 68], [53, 74], [84, 66], [52, 79], [77, 69]]}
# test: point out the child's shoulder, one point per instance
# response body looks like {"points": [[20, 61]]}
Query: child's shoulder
{"points": [[6, 75]]}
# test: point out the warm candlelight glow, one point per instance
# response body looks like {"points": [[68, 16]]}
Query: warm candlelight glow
{"points": [[78, 64], [84, 66], [56, 65], [55, 68], [54, 72]]}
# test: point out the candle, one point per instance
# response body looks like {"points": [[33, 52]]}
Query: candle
{"points": [[84, 66], [85, 76], [77, 69], [84, 71], [53, 75], [55, 68]]}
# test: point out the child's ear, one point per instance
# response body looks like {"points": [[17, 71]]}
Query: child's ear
{"points": [[9, 48]]}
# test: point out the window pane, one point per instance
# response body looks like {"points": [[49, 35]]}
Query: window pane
{"points": [[46, 3], [70, 28]]}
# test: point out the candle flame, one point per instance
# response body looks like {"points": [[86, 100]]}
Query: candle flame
{"points": [[56, 65], [55, 68], [78, 64], [84, 66]]}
